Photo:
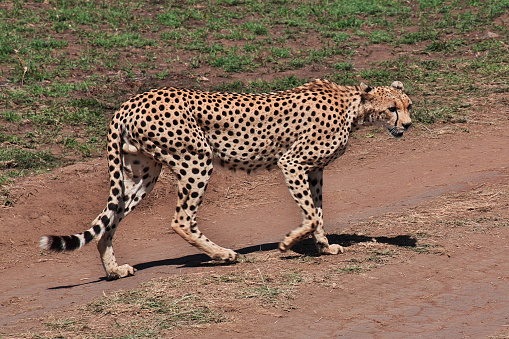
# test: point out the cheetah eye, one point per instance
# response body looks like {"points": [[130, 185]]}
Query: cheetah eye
{"points": [[392, 109]]}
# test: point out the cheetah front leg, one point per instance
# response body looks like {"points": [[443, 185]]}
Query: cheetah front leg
{"points": [[305, 185], [296, 177], [315, 186]]}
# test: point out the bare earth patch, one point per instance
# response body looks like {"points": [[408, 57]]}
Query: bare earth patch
{"points": [[424, 221]]}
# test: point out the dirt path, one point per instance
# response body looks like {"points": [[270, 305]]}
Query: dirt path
{"points": [[461, 295], [426, 296]]}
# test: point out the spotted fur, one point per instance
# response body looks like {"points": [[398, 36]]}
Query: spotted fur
{"points": [[300, 130]]}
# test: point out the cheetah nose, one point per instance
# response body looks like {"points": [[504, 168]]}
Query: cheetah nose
{"points": [[407, 126]]}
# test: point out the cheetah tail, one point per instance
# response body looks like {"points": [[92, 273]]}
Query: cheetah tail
{"points": [[69, 242], [100, 224]]}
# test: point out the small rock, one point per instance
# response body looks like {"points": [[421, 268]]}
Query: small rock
{"points": [[490, 35]]}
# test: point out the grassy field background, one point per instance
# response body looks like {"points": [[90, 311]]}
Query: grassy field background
{"points": [[65, 66]]}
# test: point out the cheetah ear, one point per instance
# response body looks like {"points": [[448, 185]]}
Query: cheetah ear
{"points": [[365, 88], [398, 85], [366, 94]]}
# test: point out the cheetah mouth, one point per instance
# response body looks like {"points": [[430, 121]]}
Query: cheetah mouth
{"points": [[395, 132]]}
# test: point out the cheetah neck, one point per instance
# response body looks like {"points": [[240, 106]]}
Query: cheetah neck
{"points": [[360, 116]]}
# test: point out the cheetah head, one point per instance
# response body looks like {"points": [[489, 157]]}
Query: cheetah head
{"points": [[387, 106]]}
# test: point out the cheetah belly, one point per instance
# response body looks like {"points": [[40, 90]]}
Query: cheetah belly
{"points": [[246, 153]]}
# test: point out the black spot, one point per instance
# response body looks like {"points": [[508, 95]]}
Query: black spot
{"points": [[72, 242], [88, 237], [55, 244], [97, 229], [105, 220]]}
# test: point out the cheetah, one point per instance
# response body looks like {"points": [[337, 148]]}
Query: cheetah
{"points": [[301, 131]]}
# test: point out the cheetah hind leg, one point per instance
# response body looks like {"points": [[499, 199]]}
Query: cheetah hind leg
{"points": [[321, 241], [139, 175], [191, 189]]}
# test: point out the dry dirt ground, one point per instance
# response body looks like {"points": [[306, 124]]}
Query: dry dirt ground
{"points": [[444, 187]]}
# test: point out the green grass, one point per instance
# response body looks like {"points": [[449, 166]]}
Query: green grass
{"points": [[65, 66], [15, 162], [232, 60], [263, 86], [256, 27], [351, 269]]}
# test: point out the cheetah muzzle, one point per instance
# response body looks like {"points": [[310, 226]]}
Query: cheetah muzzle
{"points": [[300, 131]]}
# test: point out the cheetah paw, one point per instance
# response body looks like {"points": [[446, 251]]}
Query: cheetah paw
{"points": [[333, 249], [283, 247], [121, 272], [225, 256]]}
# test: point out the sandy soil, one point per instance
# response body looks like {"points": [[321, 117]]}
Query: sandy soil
{"points": [[459, 292]]}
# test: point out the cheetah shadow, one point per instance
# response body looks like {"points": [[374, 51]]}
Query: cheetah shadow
{"points": [[305, 247]]}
